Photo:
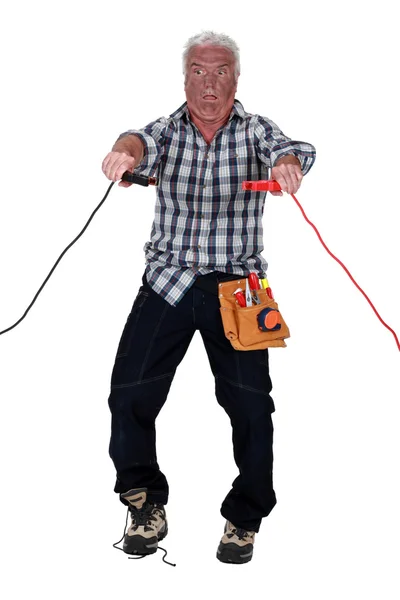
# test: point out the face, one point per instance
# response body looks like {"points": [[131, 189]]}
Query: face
{"points": [[210, 84]]}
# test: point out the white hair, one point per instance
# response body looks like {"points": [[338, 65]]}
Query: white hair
{"points": [[216, 39]]}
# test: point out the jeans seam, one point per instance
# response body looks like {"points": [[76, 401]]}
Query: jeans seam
{"points": [[240, 385], [149, 380], [152, 340], [126, 340]]}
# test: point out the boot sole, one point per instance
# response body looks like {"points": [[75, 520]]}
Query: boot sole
{"points": [[230, 553], [137, 544]]}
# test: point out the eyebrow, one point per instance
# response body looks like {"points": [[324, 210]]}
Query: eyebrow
{"points": [[193, 64]]}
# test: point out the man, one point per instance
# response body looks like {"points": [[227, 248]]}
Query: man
{"points": [[205, 230]]}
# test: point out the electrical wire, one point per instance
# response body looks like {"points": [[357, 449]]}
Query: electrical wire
{"points": [[346, 269], [304, 215], [57, 261]]}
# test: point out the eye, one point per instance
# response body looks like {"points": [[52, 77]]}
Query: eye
{"points": [[198, 71], [221, 72]]}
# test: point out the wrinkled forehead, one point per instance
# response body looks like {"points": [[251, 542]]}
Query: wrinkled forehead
{"points": [[211, 55]]}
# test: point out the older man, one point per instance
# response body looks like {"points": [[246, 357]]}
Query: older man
{"points": [[205, 230]]}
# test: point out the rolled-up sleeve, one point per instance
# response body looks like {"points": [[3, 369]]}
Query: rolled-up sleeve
{"points": [[272, 144], [152, 137]]}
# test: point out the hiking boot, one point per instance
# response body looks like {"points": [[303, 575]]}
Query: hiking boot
{"points": [[236, 545], [149, 523]]}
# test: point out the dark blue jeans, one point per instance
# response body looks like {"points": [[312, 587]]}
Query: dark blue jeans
{"points": [[153, 343]]}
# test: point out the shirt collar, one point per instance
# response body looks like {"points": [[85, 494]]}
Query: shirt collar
{"points": [[183, 111]]}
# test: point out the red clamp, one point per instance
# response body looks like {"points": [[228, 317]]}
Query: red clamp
{"points": [[264, 185]]}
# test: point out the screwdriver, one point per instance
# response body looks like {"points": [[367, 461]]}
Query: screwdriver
{"points": [[265, 285], [241, 300], [254, 285]]}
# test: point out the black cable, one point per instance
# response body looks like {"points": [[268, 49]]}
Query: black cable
{"points": [[58, 260]]}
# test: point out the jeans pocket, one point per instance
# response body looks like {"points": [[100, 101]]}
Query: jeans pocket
{"points": [[130, 325]]}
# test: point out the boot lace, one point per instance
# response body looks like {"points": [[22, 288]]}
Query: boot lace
{"points": [[144, 517], [239, 532]]}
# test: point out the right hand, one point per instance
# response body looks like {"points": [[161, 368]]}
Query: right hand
{"points": [[115, 164]]}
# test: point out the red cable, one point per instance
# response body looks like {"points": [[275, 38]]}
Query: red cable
{"points": [[347, 271]]}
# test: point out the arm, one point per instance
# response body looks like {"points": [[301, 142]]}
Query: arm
{"points": [[287, 172], [127, 153], [136, 148], [289, 160], [131, 145]]}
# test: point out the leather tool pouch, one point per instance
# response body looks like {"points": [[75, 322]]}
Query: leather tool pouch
{"points": [[242, 324]]}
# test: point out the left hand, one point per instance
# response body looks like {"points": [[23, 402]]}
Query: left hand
{"points": [[287, 172]]}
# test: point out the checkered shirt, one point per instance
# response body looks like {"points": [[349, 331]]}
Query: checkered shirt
{"points": [[203, 220]]}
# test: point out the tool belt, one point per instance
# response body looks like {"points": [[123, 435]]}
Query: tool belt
{"points": [[254, 327]]}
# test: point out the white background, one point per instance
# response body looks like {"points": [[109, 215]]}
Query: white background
{"points": [[74, 76]]}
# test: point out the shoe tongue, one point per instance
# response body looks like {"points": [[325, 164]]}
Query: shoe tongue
{"points": [[136, 497]]}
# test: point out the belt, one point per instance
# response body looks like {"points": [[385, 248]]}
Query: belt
{"points": [[209, 282]]}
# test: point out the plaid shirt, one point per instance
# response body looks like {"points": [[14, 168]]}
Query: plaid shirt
{"points": [[204, 221]]}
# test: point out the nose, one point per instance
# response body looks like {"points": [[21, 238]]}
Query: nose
{"points": [[209, 79]]}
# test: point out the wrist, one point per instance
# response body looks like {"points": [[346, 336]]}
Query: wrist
{"points": [[131, 145], [288, 159]]}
